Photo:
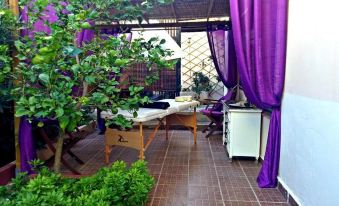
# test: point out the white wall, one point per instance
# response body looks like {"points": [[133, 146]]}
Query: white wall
{"points": [[309, 164], [265, 124]]}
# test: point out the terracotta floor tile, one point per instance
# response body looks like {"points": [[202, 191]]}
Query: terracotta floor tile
{"points": [[176, 160], [251, 171], [230, 171], [188, 174], [173, 179], [239, 203], [234, 181], [205, 203], [154, 168], [170, 191], [249, 163], [169, 201], [175, 169], [238, 194], [273, 204], [269, 195], [203, 181], [204, 193]]}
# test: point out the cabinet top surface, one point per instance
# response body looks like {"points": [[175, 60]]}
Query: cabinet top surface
{"points": [[245, 110]]}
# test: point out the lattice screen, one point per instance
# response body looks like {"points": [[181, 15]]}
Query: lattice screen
{"points": [[197, 58]]}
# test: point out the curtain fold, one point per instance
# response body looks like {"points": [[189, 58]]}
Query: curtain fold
{"points": [[27, 148], [222, 48], [260, 33]]}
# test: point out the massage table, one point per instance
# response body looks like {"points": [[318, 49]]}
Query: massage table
{"points": [[135, 139]]}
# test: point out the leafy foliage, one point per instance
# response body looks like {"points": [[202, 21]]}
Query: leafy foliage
{"points": [[7, 25], [59, 76], [115, 185], [201, 83]]}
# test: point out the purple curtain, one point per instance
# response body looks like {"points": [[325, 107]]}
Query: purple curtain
{"points": [[26, 142], [260, 30], [39, 26], [223, 54]]}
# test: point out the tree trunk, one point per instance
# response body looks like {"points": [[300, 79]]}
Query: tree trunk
{"points": [[58, 152]]}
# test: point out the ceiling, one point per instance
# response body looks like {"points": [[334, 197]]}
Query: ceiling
{"points": [[183, 10]]}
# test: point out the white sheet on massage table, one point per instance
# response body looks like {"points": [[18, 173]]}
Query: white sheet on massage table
{"points": [[147, 114]]}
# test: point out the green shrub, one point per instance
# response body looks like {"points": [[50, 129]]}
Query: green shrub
{"points": [[115, 185]]}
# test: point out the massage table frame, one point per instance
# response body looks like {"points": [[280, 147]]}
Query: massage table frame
{"points": [[135, 139]]}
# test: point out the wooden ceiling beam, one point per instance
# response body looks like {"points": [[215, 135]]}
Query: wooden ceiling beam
{"points": [[210, 7], [163, 25], [174, 12]]}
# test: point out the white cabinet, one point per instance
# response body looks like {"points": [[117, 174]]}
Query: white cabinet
{"points": [[241, 135]]}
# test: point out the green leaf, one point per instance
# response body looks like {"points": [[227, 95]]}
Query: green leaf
{"points": [[59, 112], [63, 121], [44, 77], [75, 68], [90, 79], [32, 100], [19, 112], [70, 7], [40, 124], [71, 126], [162, 41]]}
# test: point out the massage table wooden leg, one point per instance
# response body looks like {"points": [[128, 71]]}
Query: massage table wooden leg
{"points": [[152, 135], [195, 125], [142, 149], [166, 128], [107, 153]]}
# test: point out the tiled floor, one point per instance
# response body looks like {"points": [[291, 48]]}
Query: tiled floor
{"points": [[188, 174]]}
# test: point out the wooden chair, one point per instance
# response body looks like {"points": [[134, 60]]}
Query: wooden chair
{"points": [[69, 142], [214, 112]]}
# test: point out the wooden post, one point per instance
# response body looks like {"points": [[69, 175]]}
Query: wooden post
{"points": [[14, 6]]}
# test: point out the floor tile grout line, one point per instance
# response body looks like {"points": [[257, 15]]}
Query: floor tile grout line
{"points": [[255, 195], [215, 169], [162, 166], [98, 153]]}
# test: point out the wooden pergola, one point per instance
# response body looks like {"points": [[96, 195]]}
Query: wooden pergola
{"points": [[189, 15]]}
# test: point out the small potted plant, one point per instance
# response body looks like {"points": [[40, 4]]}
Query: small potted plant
{"points": [[187, 92], [201, 85]]}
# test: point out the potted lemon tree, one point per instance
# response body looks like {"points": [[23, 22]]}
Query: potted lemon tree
{"points": [[57, 77]]}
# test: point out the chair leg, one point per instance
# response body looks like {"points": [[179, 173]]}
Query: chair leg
{"points": [[207, 127], [76, 158], [52, 148], [74, 171]]}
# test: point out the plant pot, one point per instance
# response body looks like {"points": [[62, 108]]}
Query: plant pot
{"points": [[190, 93], [203, 95], [7, 172]]}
